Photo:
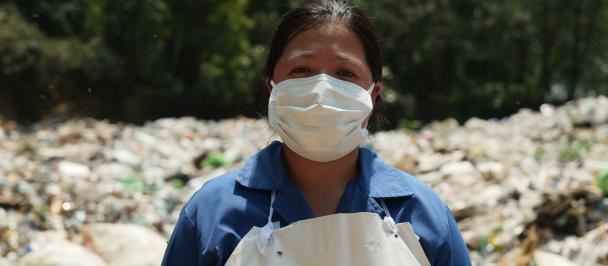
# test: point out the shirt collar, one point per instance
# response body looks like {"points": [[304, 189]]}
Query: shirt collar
{"points": [[380, 179], [266, 170]]}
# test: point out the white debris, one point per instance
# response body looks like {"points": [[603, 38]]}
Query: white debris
{"points": [[61, 253], [73, 170], [91, 181], [126, 244]]}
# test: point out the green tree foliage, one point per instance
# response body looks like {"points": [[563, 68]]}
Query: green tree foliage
{"points": [[490, 58], [136, 60], [129, 60], [38, 73]]}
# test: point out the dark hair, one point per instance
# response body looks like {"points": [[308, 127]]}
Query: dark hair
{"points": [[321, 12]]}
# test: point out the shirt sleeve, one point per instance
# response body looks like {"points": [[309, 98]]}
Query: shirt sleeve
{"points": [[453, 251], [183, 247]]}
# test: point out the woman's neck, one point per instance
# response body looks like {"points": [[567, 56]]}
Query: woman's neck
{"points": [[321, 183]]}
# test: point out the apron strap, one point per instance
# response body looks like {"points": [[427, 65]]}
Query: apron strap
{"points": [[383, 204], [392, 226], [265, 233], [388, 220], [273, 195]]}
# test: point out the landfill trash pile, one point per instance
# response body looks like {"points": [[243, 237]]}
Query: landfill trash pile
{"points": [[535, 181], [79, 182], [529, 188]]}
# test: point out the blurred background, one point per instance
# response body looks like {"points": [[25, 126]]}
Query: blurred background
{"points": [[114, 112], [137, 60]]}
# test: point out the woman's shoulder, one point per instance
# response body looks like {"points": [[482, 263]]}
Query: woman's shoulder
{"points": [[220, 195], [214, 188], [243, 192], [217, 216], [388, 181], [431, 219], [423, 192], [410, 196]]}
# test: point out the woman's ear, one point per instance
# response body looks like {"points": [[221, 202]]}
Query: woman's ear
{"points": [[376, 92]]}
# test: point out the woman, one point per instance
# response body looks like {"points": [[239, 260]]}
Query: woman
{"points": [[317, 198]]}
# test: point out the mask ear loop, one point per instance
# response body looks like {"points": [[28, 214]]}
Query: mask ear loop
{"points": [[370, 91], [371, 88], [273, 86]]}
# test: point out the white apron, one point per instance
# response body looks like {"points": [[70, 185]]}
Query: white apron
{"points": [[339, 239]]}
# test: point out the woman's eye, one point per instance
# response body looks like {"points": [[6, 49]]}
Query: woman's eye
{"points": [[346, 73], [300, 70]]}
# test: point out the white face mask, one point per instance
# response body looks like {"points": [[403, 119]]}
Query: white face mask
{"points": [[320, 117]]}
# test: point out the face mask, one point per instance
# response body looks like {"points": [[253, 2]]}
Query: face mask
{"points": [[320, 117]]}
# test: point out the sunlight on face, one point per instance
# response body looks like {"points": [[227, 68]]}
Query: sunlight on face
{"points": [[330, 49]]}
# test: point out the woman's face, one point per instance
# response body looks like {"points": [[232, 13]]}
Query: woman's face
{"points": [[330, 49]]}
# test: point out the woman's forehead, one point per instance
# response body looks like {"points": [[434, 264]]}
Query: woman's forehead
{"points": [[335, 41]]}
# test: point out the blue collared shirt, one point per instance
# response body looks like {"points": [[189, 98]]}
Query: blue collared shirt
{"points": [[219, 214]]}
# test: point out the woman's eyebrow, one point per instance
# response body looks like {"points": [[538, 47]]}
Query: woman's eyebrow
{"points": [[348, 57], [300, 53]]}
